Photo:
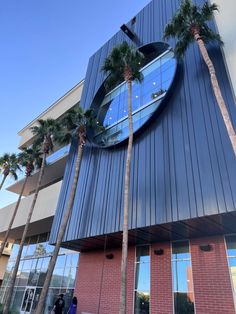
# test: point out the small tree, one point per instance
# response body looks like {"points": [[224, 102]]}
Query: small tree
{"points": [[44, 133], [188, 25], [9, 166], [75, 123], [124, 63], [29, 159]]}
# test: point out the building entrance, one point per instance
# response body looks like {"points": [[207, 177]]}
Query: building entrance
{"points": [[28, 300]]}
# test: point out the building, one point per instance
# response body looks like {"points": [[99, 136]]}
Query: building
{"points": [[37, 250], [182, 238]]}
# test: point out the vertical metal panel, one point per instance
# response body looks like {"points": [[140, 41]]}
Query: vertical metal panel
{"points": [[183, 165]]}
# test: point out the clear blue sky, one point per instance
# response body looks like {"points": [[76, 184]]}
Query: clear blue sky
{"points": [[44, 50]]}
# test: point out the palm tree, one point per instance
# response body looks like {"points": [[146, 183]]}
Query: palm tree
{"points": [[44, 133], [188, 25], [29, 159], [9, 166], [124, 63], [76, 122]]}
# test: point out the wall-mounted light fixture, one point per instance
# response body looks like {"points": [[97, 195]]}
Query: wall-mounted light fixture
{"points": [[110, 256], [159, 252], [127, 31], [206, 247]]}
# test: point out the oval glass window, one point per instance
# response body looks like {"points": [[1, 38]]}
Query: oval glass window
{"points": [[112, 114]]}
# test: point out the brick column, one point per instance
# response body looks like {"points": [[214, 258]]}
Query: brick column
{"points": [[161, 301], [110, 298], [98, 282], [211, 279], [87, 288]]}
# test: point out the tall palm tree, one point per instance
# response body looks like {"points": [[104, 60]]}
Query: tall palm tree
{"points": [[9, 166], [124, 63], [44, 132], [188, 25], [29, 159], [75, 123]]}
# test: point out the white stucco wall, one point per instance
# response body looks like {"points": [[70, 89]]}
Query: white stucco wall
{"points": [[70, 99], [45, 207], [226, 23]]}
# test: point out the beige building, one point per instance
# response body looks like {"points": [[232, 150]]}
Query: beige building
{"points": [[37, 250], [51, 183]]}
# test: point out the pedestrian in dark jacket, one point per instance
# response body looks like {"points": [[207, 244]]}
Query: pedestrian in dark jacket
{"points": [[59, 305]]}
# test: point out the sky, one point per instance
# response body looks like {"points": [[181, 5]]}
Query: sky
{"points": [[45, 46]]}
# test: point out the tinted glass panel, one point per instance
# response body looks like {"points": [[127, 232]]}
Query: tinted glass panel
{"points": [[183, 303], [142, 280], [231, 245], [182, 278], [32, 273], [143, 277], [180, 250], [146, 98], [142, 254], [141, 303], [231, 252], [14, 251], [182, 272]]}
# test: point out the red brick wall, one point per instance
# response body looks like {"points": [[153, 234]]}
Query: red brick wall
{"points": [[98, 282], [161, 301], [211, 279]]}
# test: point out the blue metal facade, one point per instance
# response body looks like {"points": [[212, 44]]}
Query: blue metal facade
{"points": [[183, 165]]}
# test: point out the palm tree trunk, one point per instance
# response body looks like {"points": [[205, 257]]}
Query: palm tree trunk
{"points": [[217, 91], [3, 180], [124, 256], [43, 295], [13, 217], [14, 273]]}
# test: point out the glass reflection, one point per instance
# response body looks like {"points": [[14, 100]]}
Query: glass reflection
{"points": [[231, 253], [141, 303], [183, 303], [146, 98], [14, 251], [182, 278], [18, 296], [32, 273], [143, 276], [142, 280]]}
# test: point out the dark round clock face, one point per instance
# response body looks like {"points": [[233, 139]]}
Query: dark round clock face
{"points": [[111, 106]]}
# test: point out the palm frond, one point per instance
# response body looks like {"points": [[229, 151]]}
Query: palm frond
{"points": [[169, 31], [186, 7], [208, 35], [207, 11], [9, 165], [72, 122], [188, 20], [30, 159], [121, 57], [180, 48], [13, 174], [45, 131]]}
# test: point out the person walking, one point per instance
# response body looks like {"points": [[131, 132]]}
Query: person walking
{"points": [[59, 305], [73, 306]]}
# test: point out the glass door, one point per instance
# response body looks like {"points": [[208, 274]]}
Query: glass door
{"points": [[27, 301]]}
